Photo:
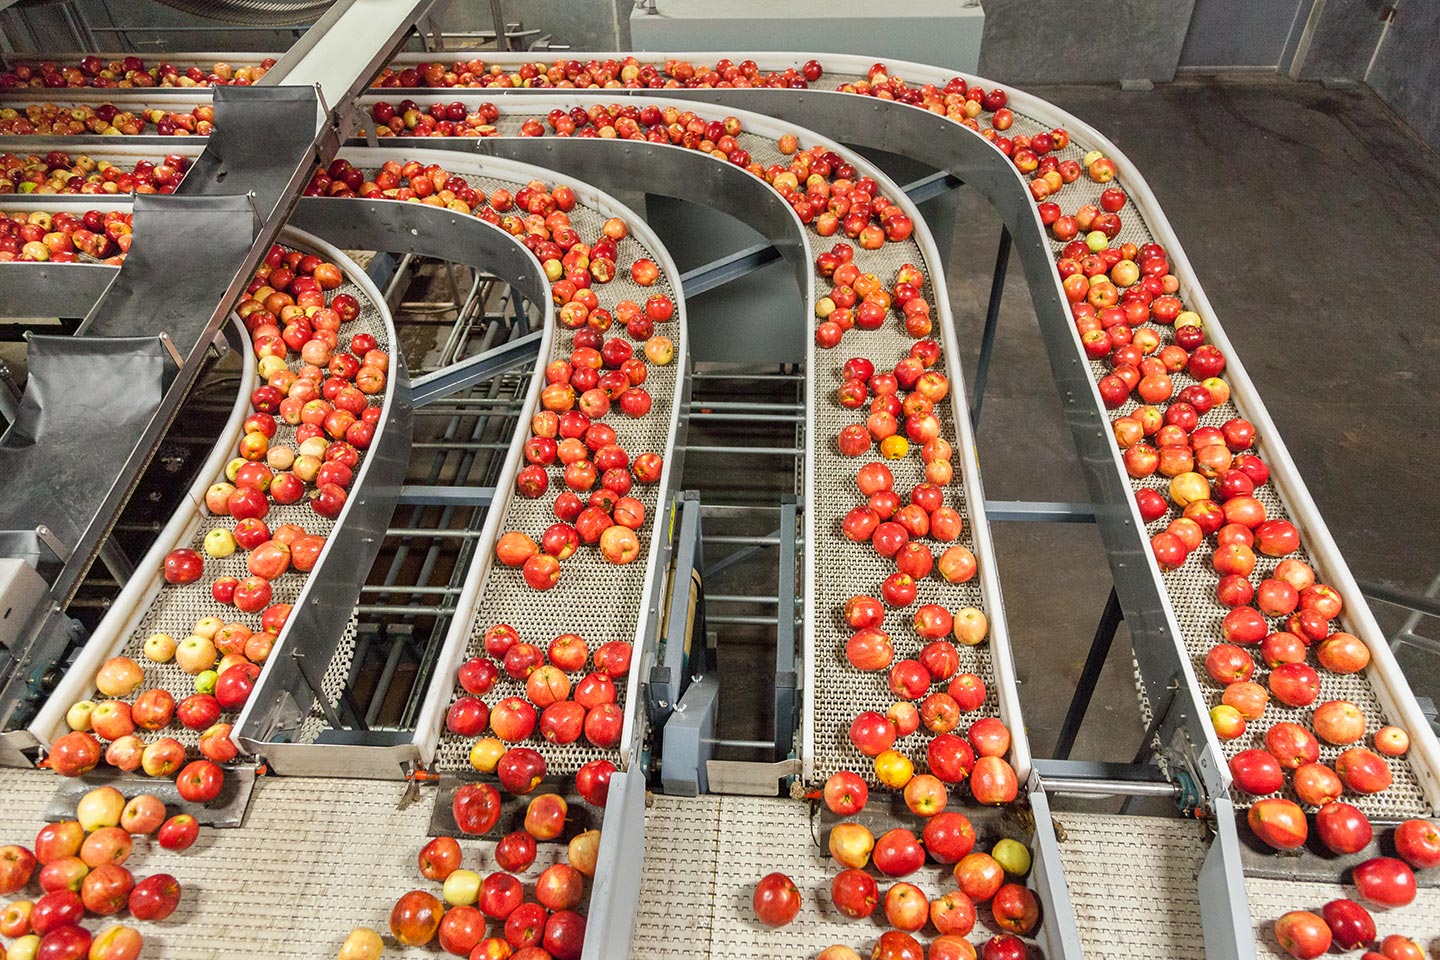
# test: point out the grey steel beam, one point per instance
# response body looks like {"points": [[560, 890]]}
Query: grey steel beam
{"points": [[717, 273], [441, 496], [1045, 511]]}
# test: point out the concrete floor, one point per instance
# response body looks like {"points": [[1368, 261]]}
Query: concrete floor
{"points": [[1297, 205]]}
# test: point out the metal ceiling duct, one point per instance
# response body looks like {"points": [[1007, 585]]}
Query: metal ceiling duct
{"points": [[279, 13]]}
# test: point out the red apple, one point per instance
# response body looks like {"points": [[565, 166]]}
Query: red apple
{"points": [[1385, 881], [1279, 822], [1257, 772], [776, 900], [1343, 828], [155, 897], [1302, 934], [1349, 923], [1418, 843], [1363, 771]]}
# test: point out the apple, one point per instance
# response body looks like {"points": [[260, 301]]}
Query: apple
{"points": [[183, 566], [119, 677], [1295, 684], [897, 945], [1363, 771], [155, 897], [1343, 828], [101, 807], [906, 907], [153, 709], [545, 816], [898, 853], [415, 918], [592, 781], [1015, 909], [17, 865], [1292, 745], [1302, 934], [854, 893], [1316, 784], [1385, 881], [948, 836], [476, 808], [1391, 741], [15, 918], [74, 754], [216, 745], [560, 887], [979, 876], [106, 845], [178, 833], [160, 647], [1338, 721], [1418, 843], [56, 841], [1350, 924], [845, 793], [993, 781], [1257, 772], [1227, 663], [1279, 822], [143, 814], [362, 943], [106, 889], [67, 873], [776, 900]]}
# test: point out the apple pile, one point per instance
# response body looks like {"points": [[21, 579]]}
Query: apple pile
{"points": [[572, 74], [39, 236], [557, 699], [58, 172], [547, 926], [79, 866], [860, 301], [407, 119], [947, 837], [121, 722], [320, 395], [1380, 881], [106, 119], [129, 72]]}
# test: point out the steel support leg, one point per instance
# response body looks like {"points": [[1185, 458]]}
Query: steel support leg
{"points": [[992, 320], [1090, 675]]}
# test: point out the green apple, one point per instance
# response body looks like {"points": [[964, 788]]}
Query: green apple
{"points": [[1013, 856], [205, 681], [462, 888], [78, 716], [25, 948], [219, 543], [160, 647]]}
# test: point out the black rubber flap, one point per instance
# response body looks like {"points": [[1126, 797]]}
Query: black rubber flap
{"points": [[186, 253], [263, 137], [87, 402]]}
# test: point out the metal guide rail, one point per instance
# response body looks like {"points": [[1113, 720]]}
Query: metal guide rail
{"points": [[148, 605], [1173, 616]]}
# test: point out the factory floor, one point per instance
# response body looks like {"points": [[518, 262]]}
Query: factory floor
{"points": [[1312, 217]]}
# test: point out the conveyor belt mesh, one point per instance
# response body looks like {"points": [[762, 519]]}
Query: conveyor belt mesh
{"points": [[594, 598], [315, 859], [1132, 883], [1271, 899], [702, 859]]}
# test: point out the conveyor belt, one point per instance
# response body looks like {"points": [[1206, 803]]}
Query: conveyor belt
{"points": [[317, 858], [1132, 884], [703, 856], [173, 609], [594, 598]]}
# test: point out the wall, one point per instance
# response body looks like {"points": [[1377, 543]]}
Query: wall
{"points": [[1057, 41], [1339, 40], [1406, 72]]}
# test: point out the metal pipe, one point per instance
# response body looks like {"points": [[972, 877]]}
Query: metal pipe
{"points": [[738, 405], [743, 621], [419, 591], [1109, 788], [424, 532], [739, 598], [398, 610], [749, 417], [764, 451], [769, 541]]}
